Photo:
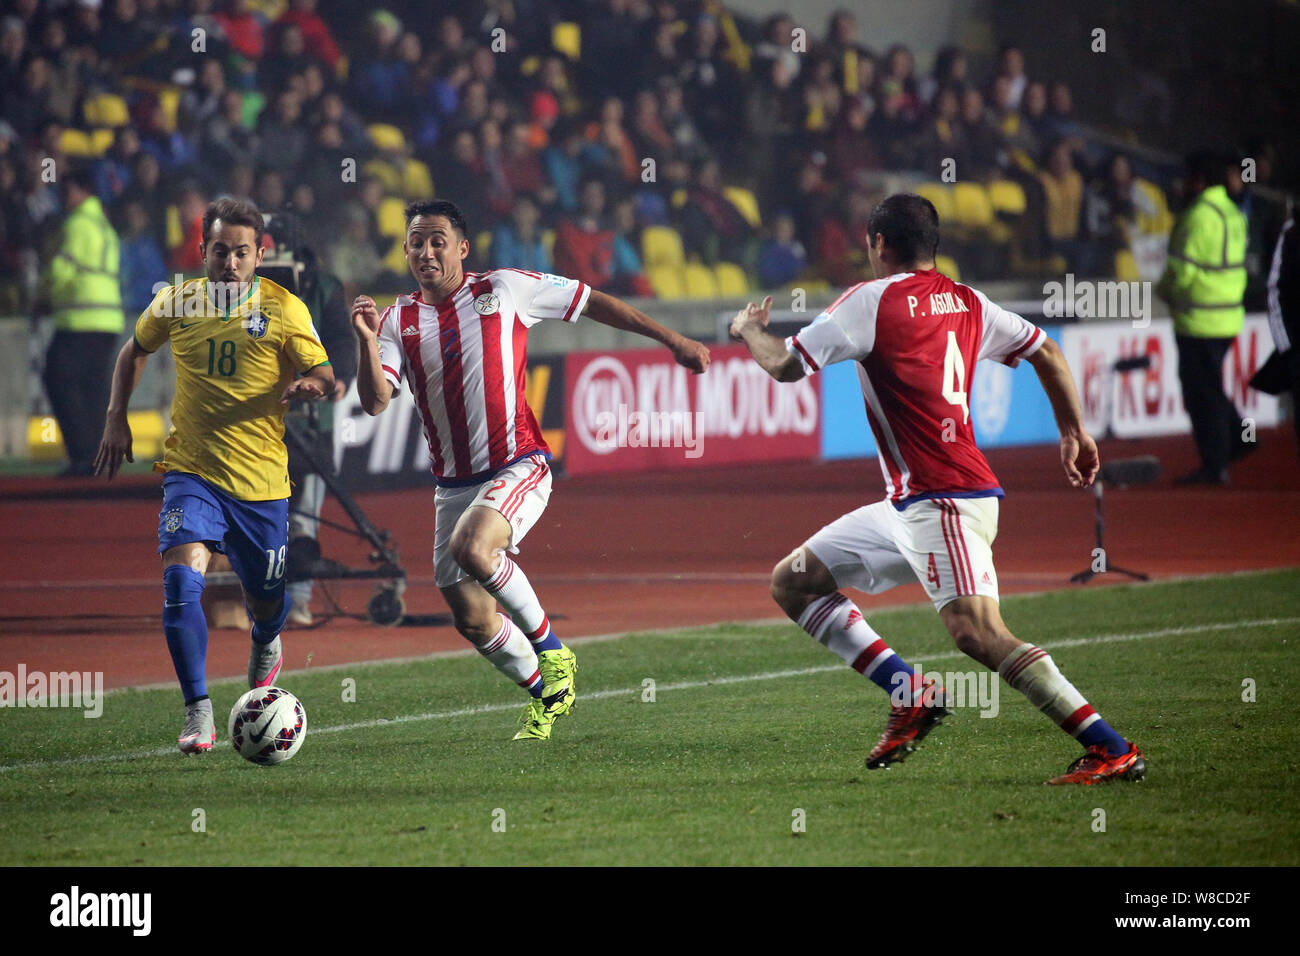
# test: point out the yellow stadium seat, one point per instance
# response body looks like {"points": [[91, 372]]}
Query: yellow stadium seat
{"points": [[175, 232], [1126, 266], [678, 198], [392, 221], [809, 286], [941, 196], [971, 206], [147, 433], [76, 144], [169, 99], [947, 265], [816, 121], [396, 258], [699, 280], [566, 37], [101, 140], [666, 281], [1007, 197], [105, 109], [1161, 222], [662, 246], [548, 241], [386, 137], [417, 181], [45, 440], [746, 202], [731, 279], [482, 247], [386, 173]]}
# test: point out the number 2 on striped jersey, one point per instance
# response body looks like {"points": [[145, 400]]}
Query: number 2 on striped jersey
{"points": [[496, 486], [954, 377]]}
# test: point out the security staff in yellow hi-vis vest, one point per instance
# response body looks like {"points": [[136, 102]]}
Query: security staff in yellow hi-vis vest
{"points": [[1204, 283], [80, 283]]}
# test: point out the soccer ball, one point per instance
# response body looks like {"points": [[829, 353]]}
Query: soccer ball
{"points": [[267, 725]]}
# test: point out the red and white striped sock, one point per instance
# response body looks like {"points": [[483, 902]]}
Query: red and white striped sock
{"points": [[511, 654], [510, 586], [1031, 670], [835, 621]]}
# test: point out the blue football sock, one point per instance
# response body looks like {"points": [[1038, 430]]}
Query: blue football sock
{"points": [[264, 632], [1101, 733], [891, 675], [186, 628]]}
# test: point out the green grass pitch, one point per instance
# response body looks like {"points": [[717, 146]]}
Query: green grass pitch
{"points": [[749, 725]]}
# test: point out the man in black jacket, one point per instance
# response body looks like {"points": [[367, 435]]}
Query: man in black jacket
{"points": [[1284, 312], [322, 293]]}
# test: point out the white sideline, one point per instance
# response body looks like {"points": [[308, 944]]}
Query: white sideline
{"points": [[877, 607], [681, 685]]}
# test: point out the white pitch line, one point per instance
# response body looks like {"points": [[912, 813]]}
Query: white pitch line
{"points": [[680, 685]]}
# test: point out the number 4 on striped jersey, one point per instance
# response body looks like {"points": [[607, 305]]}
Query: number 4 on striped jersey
{"points": [[954, 377]]}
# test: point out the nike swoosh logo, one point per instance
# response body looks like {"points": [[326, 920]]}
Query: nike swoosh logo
{"points": [[257, 737], [170, 604], [190, 326]]}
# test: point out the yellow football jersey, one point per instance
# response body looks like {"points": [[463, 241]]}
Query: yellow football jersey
{"points": [[233, 362]]}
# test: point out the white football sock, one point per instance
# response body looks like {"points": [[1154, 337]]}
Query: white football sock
{"points": [[510, 586], [1031, 670], [511, 654]]}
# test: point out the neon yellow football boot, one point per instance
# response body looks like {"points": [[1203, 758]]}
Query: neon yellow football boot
{"points": [[558, 670]]}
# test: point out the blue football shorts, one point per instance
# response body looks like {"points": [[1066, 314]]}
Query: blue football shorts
{"points": [[254, 535]]}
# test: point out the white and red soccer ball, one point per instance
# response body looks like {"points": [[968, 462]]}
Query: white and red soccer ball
{"points": [[267, 725]]}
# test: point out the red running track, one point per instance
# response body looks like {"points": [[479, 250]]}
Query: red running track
{"points": [[81, 580]]}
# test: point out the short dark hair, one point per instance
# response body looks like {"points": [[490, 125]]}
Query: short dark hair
{"points": [[1209, 165], [910, 225], [437, 207], [81, 176], [234, 212]]}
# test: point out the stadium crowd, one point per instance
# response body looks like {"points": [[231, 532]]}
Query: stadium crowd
{"points": [[571, 133]]}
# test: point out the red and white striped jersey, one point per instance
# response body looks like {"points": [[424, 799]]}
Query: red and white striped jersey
{"points": [[916, 337], [464, 359]]}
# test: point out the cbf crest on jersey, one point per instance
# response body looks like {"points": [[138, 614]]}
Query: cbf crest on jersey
{"points": [[256, 324], [172, 519]]}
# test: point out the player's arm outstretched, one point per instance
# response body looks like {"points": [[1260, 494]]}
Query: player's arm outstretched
{"points": [[373, 388], [1079, 454], [314, 385], [116, 442], [769, 351], [617, 314]]}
